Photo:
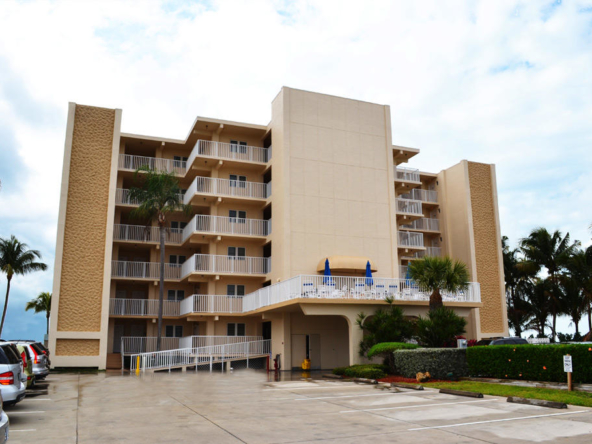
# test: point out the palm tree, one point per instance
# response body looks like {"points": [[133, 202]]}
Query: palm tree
{"points": [[158, 195], [439, 273], [538, 303], [517, 273], [40, 304], [580, 269], [553, 252], [16, 258], [573, 300]]}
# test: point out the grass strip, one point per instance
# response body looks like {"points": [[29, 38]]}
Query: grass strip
{"points": [[573, 398]]}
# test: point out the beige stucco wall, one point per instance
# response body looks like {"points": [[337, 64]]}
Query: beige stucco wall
{"points": [[334, 190], [488, 256], [84, 238], [77, 347]]}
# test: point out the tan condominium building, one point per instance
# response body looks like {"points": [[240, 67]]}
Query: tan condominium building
{"points": [[271, 204]]}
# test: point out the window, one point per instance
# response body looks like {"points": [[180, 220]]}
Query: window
{"points": [[238, 147], [234, 329], [178, 161], [236, 252], [238, 181], [235, 290], [173, 331], [175, 295], [237, 216], [174, 259], [177, 227]]}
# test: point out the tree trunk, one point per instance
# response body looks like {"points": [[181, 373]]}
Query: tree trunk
{"points": [[577, 326], [436, 300], [590, 319], [160, 288], [47, 317], [5, 304], [554, 327]]}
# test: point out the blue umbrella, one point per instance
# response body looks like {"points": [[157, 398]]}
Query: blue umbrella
{"points": [[327, 279], [369, 280]]}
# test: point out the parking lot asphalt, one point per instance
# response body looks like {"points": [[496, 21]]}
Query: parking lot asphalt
{"points": [[246, 407]]}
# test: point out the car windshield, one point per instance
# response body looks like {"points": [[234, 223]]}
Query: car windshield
{"points": [[10, 355]]}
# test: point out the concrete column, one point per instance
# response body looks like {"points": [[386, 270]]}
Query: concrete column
{"points": [[210, 327]]}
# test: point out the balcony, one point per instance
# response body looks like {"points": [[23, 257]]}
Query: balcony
{"points": [[232, 226], [144, 270], [228, 151], [142, 307], [429, 251], [410, 240], [423, 224], [225, 187], [129, 162], [146, 234], [122, 197], [409, 209], [217, 264], [211, 303], [406, 179], [425, 196]]}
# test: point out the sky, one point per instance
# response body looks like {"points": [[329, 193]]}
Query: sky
{"points": [[503, 82]]}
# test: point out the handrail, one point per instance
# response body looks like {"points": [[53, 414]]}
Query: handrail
{"points": [[144, 270], [222, 150], [210, 263], [142, 307], [132, 163], [227, 225], [142, 233], [408, 206], [422, 195], [409, 174], [425, 223], [410, 239], [227, 187]]}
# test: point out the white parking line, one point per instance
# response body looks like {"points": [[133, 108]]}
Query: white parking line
{"points": [[499, 420], [25, 430], [416, 406], [314, 388], [36, 411], [352, 396], [37, 399]]}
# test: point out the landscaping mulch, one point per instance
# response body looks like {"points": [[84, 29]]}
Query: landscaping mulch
{"points": [[407, 380]]}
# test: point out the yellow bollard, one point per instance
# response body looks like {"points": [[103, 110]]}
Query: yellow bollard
{"points": [[138, 366]]}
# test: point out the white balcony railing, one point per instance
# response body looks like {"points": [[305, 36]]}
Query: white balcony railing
{"points": [[141, 233], [122, 197], [429, 251], [407, 174], [132, 163], [407, 206], [209, 341], [142, 344], [227, 225], [208, 148], [144, 270], [142, 307], [410, 239], [196, 356], [423, 224], [226, 187], [209, 263], [211, 303], [422, 195]]}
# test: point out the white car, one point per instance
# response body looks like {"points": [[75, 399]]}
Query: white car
{"points": [[4, 423], [12, 377]]}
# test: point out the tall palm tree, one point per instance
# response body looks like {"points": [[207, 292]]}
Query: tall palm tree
{"points": [[573, 300], [437, 274], [16, 258], [158, 195], [553, 252], [517, 274], [41, 304], [538, 300], [580, 269]]}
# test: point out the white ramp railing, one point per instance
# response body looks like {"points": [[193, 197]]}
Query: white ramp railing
{"points": [[208, 341], [196, 356]]}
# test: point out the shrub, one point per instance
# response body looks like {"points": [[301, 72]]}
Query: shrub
{"points": [[370, 371], [440, 362], [531, 362], [439, 327], [387, 325], [389, 347]]}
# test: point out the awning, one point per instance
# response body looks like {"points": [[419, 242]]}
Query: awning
{"points": [[346, 263]]}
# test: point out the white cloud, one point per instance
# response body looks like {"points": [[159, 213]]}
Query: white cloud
{"points": [[503, 82]]}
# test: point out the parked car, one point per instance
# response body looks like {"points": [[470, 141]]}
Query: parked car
{"points": [[4, 423], [509, 341], [27, 364], [12, 378], [42, 346], [40, 359]]}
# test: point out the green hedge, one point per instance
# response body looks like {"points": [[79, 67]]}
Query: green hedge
{"points": [[370, 371], [438, 361], [531, 362], [390, 347]]}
